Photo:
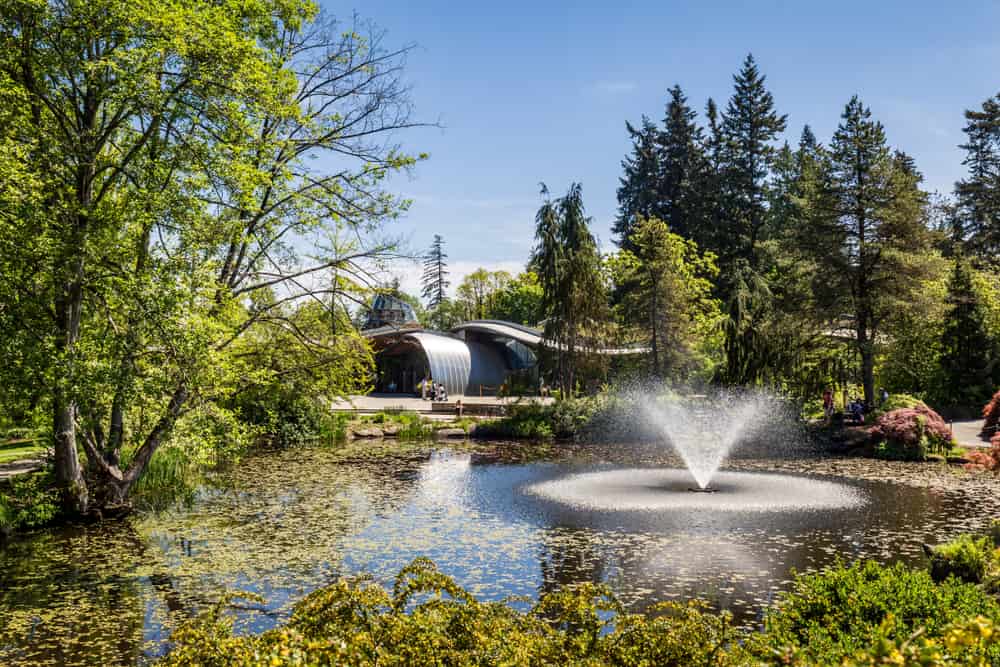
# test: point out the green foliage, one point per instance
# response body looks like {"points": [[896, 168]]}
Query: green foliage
{"points": [[564, 418], [831, 616], [666, 299], [966, 558], [27, 501], [428, 619]]}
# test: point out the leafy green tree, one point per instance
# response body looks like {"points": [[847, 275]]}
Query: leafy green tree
{"points": [[479, 291], [574, 297], [171, 149], [520, 301], [682, 164], [970, 352], [668, 300], [979, 194], [435, 278]]}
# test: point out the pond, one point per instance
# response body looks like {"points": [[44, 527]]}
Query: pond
{"points": [[283, 523]]}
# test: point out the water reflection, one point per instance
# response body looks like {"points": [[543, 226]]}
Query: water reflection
{"points": [[285, 523]]}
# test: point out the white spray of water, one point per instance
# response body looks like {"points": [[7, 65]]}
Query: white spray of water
{"points": [[703, 430]]}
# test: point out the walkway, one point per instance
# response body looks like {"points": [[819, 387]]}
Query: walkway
{"points": [[406, 402], [966, 433]]}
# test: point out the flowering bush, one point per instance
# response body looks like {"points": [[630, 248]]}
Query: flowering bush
{"points": [[991, 415], [910, 434]]}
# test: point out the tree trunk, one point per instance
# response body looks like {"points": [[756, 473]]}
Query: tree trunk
{"points": [[68, 472]]}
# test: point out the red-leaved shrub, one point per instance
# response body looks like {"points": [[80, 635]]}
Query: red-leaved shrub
{"points": [[986, 459], [910, 433], [991, 415]]}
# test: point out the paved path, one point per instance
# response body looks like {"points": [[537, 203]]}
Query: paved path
{"points": [[19, 467], [379, 402], [966, 433]]}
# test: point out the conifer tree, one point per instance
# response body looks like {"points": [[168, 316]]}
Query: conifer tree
{"points": [[750, 126], [568, 263], [682, 161], [979, 194], [435, 278], [638, 195], [969, 354]]}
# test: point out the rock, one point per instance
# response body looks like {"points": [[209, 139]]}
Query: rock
{"points": [[442, 433], [367, 432], [390, 430]]}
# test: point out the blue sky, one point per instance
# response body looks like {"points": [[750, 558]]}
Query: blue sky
{"points": [[532, 92]]}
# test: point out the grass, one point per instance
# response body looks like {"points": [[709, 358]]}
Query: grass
{"points": [[21, 450]]}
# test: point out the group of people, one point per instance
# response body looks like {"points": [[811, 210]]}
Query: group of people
{"points": [[855, 410], [431, 391]]}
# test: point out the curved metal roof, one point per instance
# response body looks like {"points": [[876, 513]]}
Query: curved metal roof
{"points": [[533, 337], [449, 360]]}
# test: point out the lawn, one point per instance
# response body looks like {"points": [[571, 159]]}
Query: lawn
{"points": [[18, 450]]}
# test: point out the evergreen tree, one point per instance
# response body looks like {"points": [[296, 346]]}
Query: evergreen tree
{"points": [[969, 353], [568, 264], [638, 191], [750, 126], [682, 161], [435, 278], [869, 234], [979, 194]]}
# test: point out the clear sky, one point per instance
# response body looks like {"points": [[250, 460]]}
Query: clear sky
{"points": [[540, 91]]}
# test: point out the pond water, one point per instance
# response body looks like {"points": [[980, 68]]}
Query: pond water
{"points": [[283, 523]]}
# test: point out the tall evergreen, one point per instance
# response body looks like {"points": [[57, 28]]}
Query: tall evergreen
{"points": [[574, 298], [970, 358], [435, 278], [979, 193], [750, 126], [682, 162], [869, 233], [638, 190]]}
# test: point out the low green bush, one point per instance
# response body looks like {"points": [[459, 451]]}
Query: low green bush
{"points": [[828, 617], [564, 418], [866, 614], [967, 558], [28, 501]]}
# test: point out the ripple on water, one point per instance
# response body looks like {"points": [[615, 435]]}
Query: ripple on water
{"points": [[659, 489]]}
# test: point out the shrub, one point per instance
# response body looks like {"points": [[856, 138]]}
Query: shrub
{"points": [[843, 611], [985, 459], [991, 415], [28, 501], [966, 558], [910, 434]]}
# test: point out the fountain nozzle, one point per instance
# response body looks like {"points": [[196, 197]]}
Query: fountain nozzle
{"points": [[707, 489]]}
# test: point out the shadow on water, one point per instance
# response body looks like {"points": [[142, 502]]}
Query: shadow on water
{"points": [[284, 523]]}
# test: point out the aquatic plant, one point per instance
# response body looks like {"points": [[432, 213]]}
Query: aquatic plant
{"points": [[27, 501]]}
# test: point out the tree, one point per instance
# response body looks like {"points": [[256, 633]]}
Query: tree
{"points": [[520, 301], [682, 162], [638, 190], [979, 194], [869, 234], [668, 299], [478, 292], [750, 125], [574, 297], [172, 150], [970, 352], [435, 278]]}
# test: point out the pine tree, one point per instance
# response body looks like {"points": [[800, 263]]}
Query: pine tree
{"points": [[969, 354], [682, 162], [568, 263], [979, 194], [638, 195], [750, 125], [869, 232], [435, 278]]}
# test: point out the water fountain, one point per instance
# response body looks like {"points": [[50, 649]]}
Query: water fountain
{"points": [[703, 431]]}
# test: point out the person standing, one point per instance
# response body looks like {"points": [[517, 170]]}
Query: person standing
{"points": [[827, 405], [423, 388]]}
